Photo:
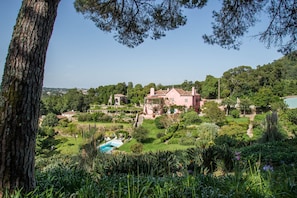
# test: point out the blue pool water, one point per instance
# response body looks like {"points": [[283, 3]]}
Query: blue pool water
{"points": [[291, 102], [109, 146]]}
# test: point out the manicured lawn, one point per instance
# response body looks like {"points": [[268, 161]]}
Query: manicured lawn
{"points": [[69, 145]]}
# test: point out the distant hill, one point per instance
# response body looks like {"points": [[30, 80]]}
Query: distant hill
{"points": [[49, 91]]}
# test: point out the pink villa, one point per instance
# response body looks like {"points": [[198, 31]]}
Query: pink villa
{"points": [[165, 101]]}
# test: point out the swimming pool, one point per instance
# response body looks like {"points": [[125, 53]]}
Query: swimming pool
{"points": [[109, 146], [291, 102]]}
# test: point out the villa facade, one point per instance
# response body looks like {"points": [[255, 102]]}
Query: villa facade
{"points": [[170, 101]]}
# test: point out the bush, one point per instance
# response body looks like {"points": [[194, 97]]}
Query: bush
{"points": [[50, 120], [272, 131], [234, 131], [207, 131], [47, 131], [136, 148], [191, 117], [235, 113], [94, 117], [161, 134], [166, 137], [187, 141], [172, 128], [226, 140], [140, 134], [63, 122], [174, 141], [292, 115], [159, 122]]}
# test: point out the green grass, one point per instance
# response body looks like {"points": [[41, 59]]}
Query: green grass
{"points": [[153, 143], [241, 120], [69, 145]]}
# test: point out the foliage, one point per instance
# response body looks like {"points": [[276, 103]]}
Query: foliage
{"points": [[46, 131], [63, 122], [166, 137], [229, 103], [238, 82], [209, 88], [173, 128], [50, 120], [161, 134], [140, 134], [160, 122], [137, 148], [265, 97], [235, 113], [272, 129], [94, 117], [207, 132], [190, 117], [187, 141], [133, 21], [213, 113], [292, 115], [175, 174], [236, 131], [235, 18], [244, 105]]}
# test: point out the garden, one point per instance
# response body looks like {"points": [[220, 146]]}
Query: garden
{"points": [[171, 156]]}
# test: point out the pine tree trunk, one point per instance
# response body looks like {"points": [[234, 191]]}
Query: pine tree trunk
{"points": [[21, 91]]}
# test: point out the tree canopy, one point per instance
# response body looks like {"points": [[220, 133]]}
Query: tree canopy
{"points": [[135, 20], [235, 18]]}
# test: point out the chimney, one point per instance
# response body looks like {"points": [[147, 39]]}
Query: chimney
{"points": [[193, 91], [152, 91]]}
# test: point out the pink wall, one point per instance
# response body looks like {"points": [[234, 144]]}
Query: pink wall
{"points": [[173, 97]]}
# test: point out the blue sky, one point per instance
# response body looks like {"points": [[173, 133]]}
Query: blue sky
{"points": [[82, 56]]}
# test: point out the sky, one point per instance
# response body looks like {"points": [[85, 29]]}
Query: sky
{"points": [[82, 56]]}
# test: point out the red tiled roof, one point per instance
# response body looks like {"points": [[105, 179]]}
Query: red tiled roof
{"points": [[161, 92]]}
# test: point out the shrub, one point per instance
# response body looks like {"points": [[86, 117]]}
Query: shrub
{"points": [[187, 141], [159, 122], [272, 131], [207, 131], [136, 148], [47, 131], [292, 115], [191, 117], [140, 134], [172, 128], [235, 113], [94, 117], [225, 140], [174, 141], [166, 137], [63, 122], [50, 120], [234, 131], [122, 133], [161, 134]]}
